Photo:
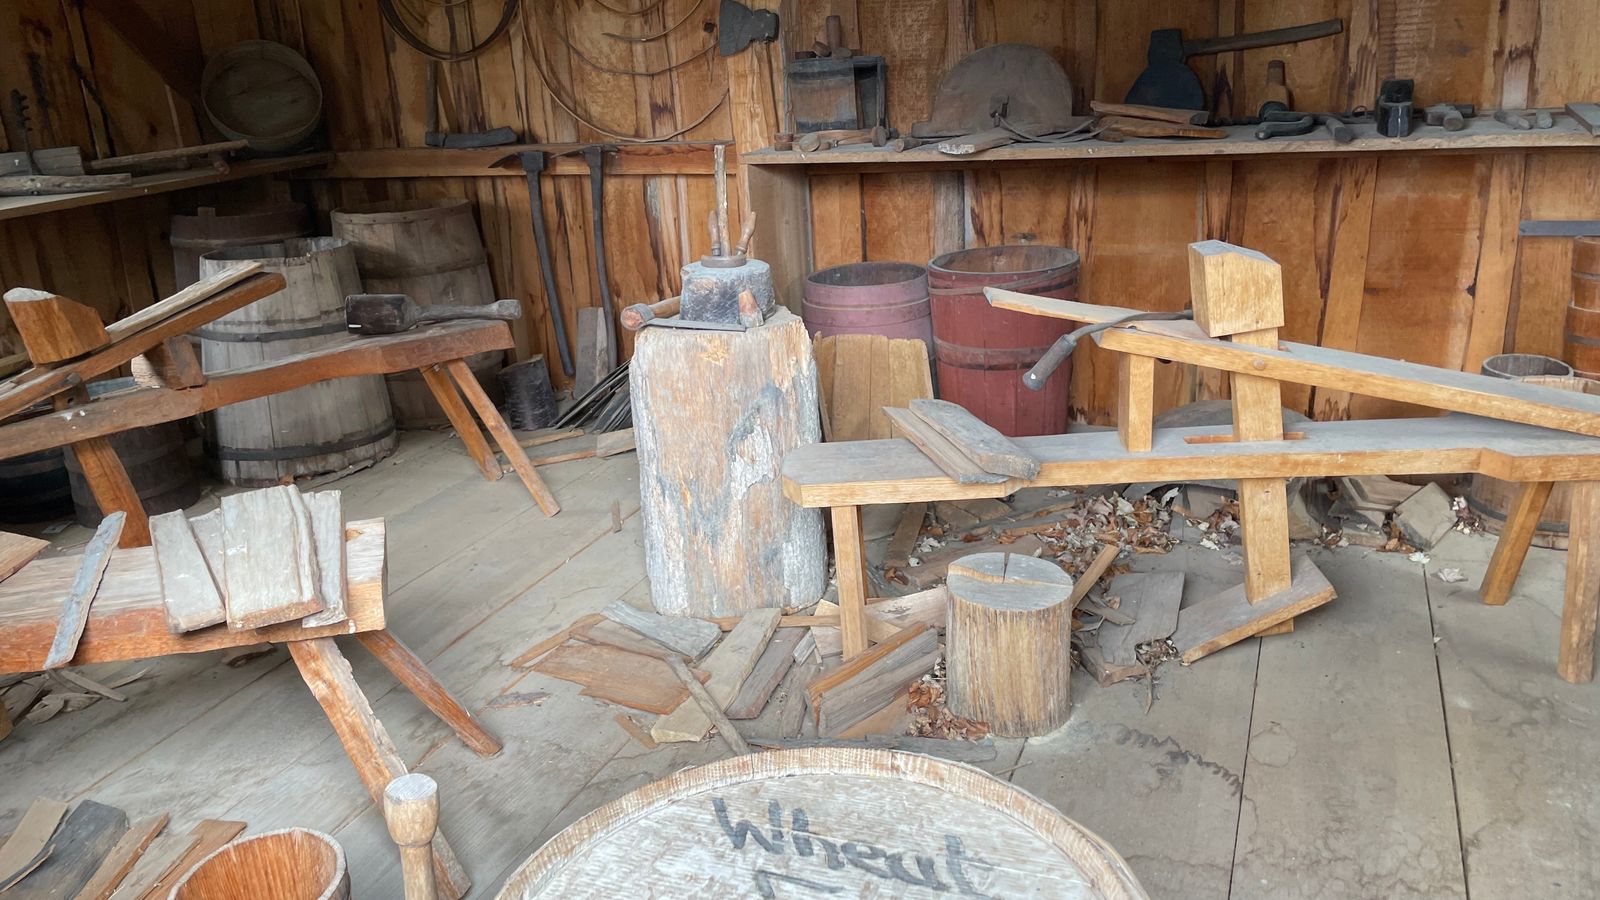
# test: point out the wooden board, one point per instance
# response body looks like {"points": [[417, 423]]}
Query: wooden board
{"points": [[16, 551], [187, 587], [1227, 618], [75, 605], [992, 451], [940, 449], [770, 667], [201, 290], [617, 676], [1151, 600], [84, 839], [859, 374], [326, 512], [870, 680], [128, 619], [208, 836], [122, 858], [728, 664], [30, 837], [690, 636], [264, 537]]}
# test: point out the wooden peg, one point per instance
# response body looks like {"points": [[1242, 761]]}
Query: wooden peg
{"points": [[53, 328], [411, 807], [1234, 289]]}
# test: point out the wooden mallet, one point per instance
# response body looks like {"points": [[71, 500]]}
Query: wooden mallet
{"points": [[411, 807]]}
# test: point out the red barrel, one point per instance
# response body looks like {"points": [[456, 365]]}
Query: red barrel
{"points": [[887, 298], [982, 352]]}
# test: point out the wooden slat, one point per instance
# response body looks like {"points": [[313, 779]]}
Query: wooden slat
{"points": [[16, 551], [75, 606], [200, 291], [1227, 618], [728, 664]]}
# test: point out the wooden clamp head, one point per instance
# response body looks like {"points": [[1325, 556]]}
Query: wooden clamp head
{"points": [[1235, 290], [53, 328]]}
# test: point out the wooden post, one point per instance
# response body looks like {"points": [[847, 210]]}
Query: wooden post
{"points": [[1136, 397], [414, 674], [1238, 293], [1522, 520], [1575, 662], [327, 673], [1009, 646], [850, 562]]}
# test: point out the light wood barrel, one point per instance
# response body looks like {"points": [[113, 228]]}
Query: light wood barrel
{"points": [[430, 251], [214, 227], [313, 430], [714, 412], [291, 864], [850, 823], [1491, 498]]}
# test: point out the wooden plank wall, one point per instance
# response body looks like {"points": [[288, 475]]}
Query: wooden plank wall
{"points": [[1412, 257]]}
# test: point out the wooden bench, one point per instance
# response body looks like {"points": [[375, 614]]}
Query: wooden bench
{"points": [[843, 477]]}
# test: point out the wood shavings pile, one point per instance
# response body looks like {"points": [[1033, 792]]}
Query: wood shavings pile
{"points": [[930, 718]]}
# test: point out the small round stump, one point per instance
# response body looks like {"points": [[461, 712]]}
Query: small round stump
{"points": [[1008, 647]]}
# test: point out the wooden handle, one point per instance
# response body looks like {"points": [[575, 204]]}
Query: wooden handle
{"points": [[411, 807], [504, 310], [634, 317], [1154, 113], [1254, 39]]}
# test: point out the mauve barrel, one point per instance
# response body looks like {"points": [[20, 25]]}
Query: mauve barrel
{"points": [[982, 352], [887, 298]]}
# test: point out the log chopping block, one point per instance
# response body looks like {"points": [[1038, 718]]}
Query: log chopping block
{"points": [[1008, 647], [714, 412]]}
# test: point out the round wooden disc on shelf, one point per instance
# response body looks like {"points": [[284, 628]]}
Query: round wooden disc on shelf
{"points": [[853, 823]]}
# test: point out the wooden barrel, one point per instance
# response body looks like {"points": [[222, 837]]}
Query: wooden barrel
{"points": [[982, 352], [714, 412], [156, 460], [1586, 272], [291, 864], [1581, 341], [1523, 365], [430, 251], [887, 298], [1490, 498], [842, 822], [313, 430], [214, 227], [34, 487], [262, 92]]}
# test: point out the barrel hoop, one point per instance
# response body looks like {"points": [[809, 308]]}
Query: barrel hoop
{"points": [[1043, 282], [987, 358], [419, 271], [222, 243], [879, 315], [240, 454], [262, 337], [1581, 339]]}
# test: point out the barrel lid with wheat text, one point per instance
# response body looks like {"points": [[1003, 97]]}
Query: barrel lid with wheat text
{"points": [[826, 822]]}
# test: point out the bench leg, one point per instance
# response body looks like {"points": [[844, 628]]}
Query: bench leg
{"points": [[1512, 548], [502, 435], [112, 489], [850, 560], [1575, 662], [414, 674], [327, 673], [461, 420]]}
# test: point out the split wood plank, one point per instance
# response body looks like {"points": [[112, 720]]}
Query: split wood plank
{"points": [[201, 290], [636, 731], [690, 636], [208, 536], [1522, 520], [1325, 367], [188, 591], [534, 653], [1575, 659], [120, 861], [904, 541], [979, 442], [155, 865], [728, 666], [616, 676], [871, 680], [78, 847], [16, 551], [1151, 599], [75, 609], [709, 706], [549, 436], [1227, 618], [611, 634], [53, 328], [208, 837], [326, 513], [502, 434], [265, 577], [30, 837], [1090, 576], [327, 673], [764, 678], [611, 443], [985, 508], [941, 449]]}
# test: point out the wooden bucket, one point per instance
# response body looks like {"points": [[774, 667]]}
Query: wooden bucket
{"points": [[908, 825], [430, 251], [214, 227], [262, 92], [155, 457], [1491, 498], [313, 430], [292, 864]]}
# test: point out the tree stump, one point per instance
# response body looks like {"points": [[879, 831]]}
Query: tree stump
{"points": [[714, 412], [1008, 647]]}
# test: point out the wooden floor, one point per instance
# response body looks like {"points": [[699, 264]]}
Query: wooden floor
{"points": [[1404, 741]]}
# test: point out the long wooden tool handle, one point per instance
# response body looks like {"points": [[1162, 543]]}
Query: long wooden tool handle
{"points": [[1254, 39], [504, 310], [1156, 113], [411, 808], [635, 317]]}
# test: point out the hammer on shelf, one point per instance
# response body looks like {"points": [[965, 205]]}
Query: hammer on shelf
{"points": [[411, 808], [395, 313]]}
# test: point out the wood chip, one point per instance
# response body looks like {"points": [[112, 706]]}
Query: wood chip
{"points": [[75, 610]]}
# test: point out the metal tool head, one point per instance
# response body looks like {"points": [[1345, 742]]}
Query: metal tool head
{"points": [[739, 26]]}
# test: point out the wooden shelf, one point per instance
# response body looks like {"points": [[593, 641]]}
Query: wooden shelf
{"points": [[144, 186], [1482, 135], [672, 158]]}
